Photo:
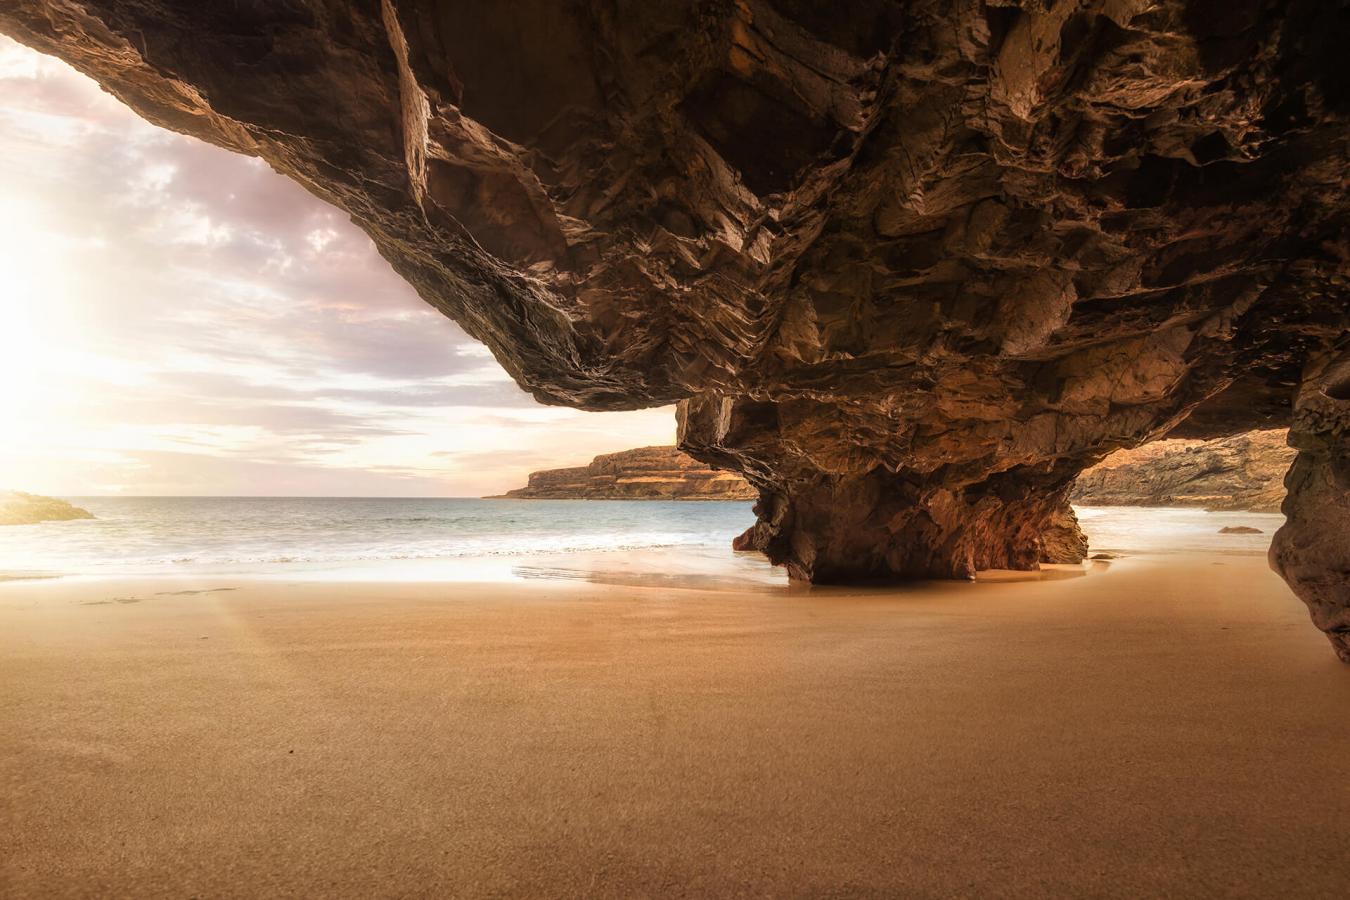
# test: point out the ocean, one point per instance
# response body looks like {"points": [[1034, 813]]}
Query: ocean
{"points": [[471, 539]]}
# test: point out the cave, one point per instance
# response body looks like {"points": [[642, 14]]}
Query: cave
{"points": [[907, 270]]}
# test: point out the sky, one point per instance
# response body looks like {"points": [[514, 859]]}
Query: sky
{"points": [[176, 319]]}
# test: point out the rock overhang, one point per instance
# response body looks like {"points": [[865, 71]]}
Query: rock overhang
{"points": [[920, 263]]}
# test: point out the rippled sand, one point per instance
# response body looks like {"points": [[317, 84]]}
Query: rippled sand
{"points": [[1157, 727]]}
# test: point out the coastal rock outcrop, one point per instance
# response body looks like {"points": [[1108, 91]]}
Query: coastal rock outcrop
{"points": [[18, 508], [1312, 550], [1245, 471], [908, 268], [646, 473], [1062, 540]]}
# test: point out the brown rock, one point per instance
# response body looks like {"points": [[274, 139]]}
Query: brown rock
{"points": [[830, 531], [745, 541], [647, 473], [1312, 549], [908, 269], [1239, 529], [1242, 472], [1063, 541], [18, 508]]}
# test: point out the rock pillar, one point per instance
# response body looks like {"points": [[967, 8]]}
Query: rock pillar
{"points": [[1312, 550]]}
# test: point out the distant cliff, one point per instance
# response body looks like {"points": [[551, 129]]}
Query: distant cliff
{"points": [[1241, 472], [18, 508], [647, 473]]}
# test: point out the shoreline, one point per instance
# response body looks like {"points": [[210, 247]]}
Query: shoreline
{"points": [[449, 557], [1046, 736], [680, 568]]}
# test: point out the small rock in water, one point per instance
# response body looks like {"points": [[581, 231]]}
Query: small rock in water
{"points": [[1240, 529], [1104, 556]]}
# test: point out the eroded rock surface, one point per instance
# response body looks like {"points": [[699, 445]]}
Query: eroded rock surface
{"points": [[646, 473], [907, 266], [1062, 540], [18, 508], [1242, 472], [1312, 549]]}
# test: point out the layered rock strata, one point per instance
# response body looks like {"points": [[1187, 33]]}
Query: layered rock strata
{"points": [[1245, 471], [646, 473], [18, 508], [909, 267]]}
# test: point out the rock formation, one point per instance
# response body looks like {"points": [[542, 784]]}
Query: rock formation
{"points": [[1062, 541], [1312, 549], [18, 508], [909, 267], [1245, 471], [647, 473], [1241, 472]]}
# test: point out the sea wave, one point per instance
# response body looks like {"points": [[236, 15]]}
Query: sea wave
{"points": [[192, 534], [523, 550], [154, 534]]}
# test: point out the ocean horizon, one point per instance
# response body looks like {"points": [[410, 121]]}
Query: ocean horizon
{"points": [[469, 538]]}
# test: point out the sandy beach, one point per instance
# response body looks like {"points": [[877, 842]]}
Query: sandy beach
{"points": [[360, 361], [1156, 727]]}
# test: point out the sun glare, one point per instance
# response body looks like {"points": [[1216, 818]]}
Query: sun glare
{"points": [[178, 319], [34, 312]]}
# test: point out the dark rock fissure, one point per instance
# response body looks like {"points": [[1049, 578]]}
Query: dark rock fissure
{"points": [[908, 269]]}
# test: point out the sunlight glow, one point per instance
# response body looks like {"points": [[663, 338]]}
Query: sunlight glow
{"points": [[34, 311], [176, 319]]}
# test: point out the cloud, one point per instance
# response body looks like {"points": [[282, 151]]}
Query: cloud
{"points": [[180, 319]]}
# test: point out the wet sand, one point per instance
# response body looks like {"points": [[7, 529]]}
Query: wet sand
{"points": [[1159, 727]]}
